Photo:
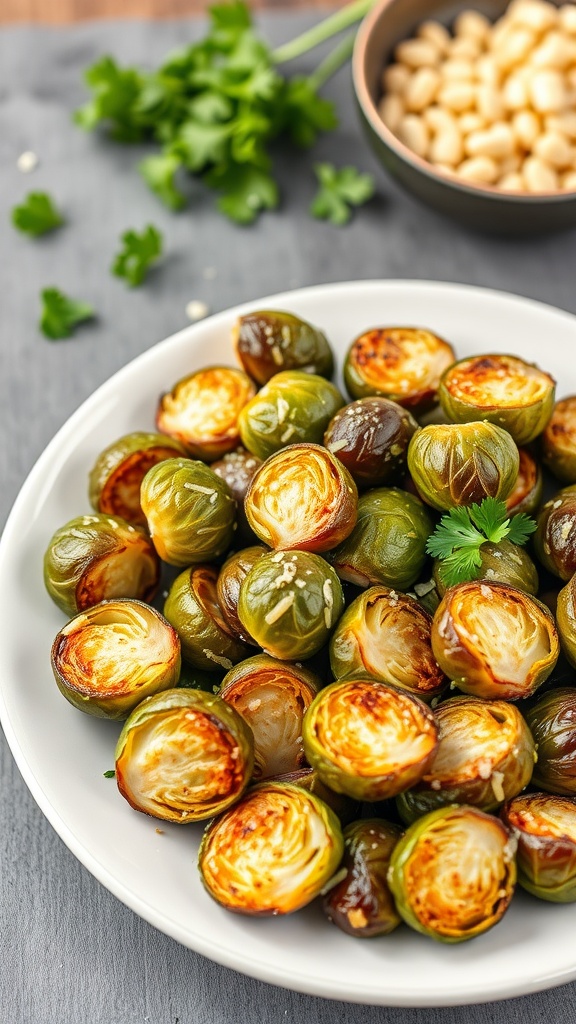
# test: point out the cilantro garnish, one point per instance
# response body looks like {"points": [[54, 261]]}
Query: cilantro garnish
{"points": [[60, 314], [137, 254], [36, 215], [461, 533], [339, 191]]}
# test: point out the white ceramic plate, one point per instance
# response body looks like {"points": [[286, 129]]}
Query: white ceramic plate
{"points": [[63, 753]]}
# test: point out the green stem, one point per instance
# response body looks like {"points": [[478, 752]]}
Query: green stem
{"points": [[337, 22], [330, 65]]}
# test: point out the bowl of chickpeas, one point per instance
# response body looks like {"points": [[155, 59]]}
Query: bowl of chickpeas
{"points": [[473, 110]]}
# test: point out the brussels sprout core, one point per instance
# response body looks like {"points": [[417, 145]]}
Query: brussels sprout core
{"points": [[545, 827], [401, 363], [202, 410]]}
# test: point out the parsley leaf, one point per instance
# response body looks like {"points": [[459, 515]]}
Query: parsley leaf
{"points": [[60, 314], [521, 526], [138, 252], [305, 114], [247, 190], [36, 215], [339, 191], [110, 774], [115, 94], [158, 172]]}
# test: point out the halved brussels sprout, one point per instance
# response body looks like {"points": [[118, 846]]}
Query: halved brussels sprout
{"points": [[455, 464], [566, 620], [370, 437], [293, 407], [183, 755], [388, 543], [190, 512], [494, 640], [272, 853], [545, 827], [368, 739], [559, 441], [268, 341], [272, 697], [453, 873], [202, 410], [526, 494], [192, 608], [501, 389], [504, 562], [289, 603], [93, 558], [387, 635], [230, 579], [302, 497], [115, 478], [485, 756], [343, 806], [555, 538], [361, 904], [401, 363], [237, 469], [111, 656], [552, 723]]}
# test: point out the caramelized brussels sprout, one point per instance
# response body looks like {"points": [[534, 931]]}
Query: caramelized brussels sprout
{"points": [[273, 852], [230, 579], [290, 602], [401, 363], [111, 656], [387, 635], [555, 538], [453, 873], [545, 828], [183, 755], [190, 512], [294, 407], [115, 478], [272, 697], [526, 494], [202, 410], [552, 721], [504, 562], [361, 904], [237, 469], [192, 608], [268, 341], [485, 756], [368, 739], [462, 463], [96, 557], [343, 806], [559, 441], [304, 498], [370, 437], [388, 543], [501, 389], [493, 640], [566, 620]]}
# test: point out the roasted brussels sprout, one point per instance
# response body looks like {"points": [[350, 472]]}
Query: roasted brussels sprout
{"points": [[545, 827], [237, 469], [202, 410], [183, 755], [343, 806], [401, 363], [370, 437], [526, 494], [273, 852], [453, 873], [192, 608], [461, 463], [566, 620], [387, 635], [368, 739], [230, 579], [559, 441], [501, 389], [272, 697], [485, 756], [361, 904], [93, 558], [115, 479], [109, 657], [302, 497], [289, 603], [504, 562], [294, 407], [268, 341], [552, 722], [555, 538], [190, 512], [388, 543], [494, 640]]}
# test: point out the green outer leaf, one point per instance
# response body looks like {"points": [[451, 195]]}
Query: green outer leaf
{"points": [[36, 215], [61, 314]]}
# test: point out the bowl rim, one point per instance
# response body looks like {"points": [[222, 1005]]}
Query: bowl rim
{"points": [[370, 111]]}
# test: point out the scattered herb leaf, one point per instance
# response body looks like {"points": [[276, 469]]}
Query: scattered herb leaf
{"points": [[60, 314], [137, 254], [339, 191], [36, 215], [110, 774]]}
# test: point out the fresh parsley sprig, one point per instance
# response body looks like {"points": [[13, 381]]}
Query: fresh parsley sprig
{"points": [[340, 190], [461, 533], [60, 314], [36, 215], [138, 253]]}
